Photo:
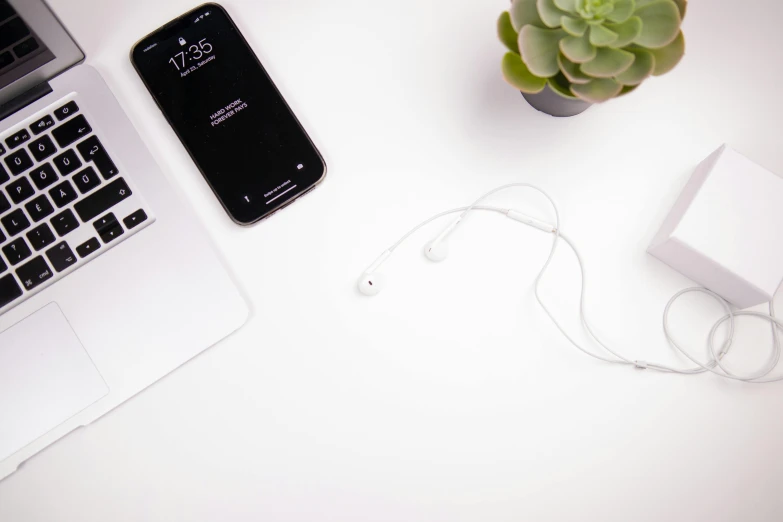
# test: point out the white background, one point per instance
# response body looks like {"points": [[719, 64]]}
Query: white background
{"points": [[449, 397]]}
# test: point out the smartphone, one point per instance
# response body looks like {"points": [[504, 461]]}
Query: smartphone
{"points": [[226, 110]]}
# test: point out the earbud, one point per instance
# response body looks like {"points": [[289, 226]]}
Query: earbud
{"points": [[371, 283], [438, 249]]}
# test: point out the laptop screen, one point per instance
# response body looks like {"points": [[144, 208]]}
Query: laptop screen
{"points": [[21, 50], [34, 48]]}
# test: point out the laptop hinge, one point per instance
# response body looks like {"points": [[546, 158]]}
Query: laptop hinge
{"points": [[23, 100]]}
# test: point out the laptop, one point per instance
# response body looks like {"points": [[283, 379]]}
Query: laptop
{"points": [[107, 281]]}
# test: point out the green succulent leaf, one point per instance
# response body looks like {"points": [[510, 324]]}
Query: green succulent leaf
{"points": [[568, 6], [517, 74], [525, 12], [573, 26], [594, 10], [539, 49], [600, 36], [598, 90], [682, 5], [660, 24], [623, 9], [578, 49], [641, 68], [626, 89], [560, 85], [608, 63], [666, 58], [627, 31], [571, 70], [549, 13], [506, 32]]}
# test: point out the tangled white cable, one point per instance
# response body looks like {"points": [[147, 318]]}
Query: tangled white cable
{"points": [[371, 283]]}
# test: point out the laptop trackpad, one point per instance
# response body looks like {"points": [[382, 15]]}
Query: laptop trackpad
{"points": [[46, 377]]}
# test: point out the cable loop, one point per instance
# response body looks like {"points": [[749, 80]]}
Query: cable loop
{"points": [[714, 364]]}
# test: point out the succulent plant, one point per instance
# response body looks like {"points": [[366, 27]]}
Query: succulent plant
{"points": [[593, 50]]}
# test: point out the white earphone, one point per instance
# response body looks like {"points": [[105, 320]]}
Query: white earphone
{"points": [[372, 282]]}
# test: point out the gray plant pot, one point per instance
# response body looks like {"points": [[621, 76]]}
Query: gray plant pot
{"points": [[550, 102]]}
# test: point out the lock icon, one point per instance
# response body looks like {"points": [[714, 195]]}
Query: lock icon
{"points": [[182, 41]]}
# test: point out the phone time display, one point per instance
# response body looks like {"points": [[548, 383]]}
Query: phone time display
{"points": [[193, 52]]}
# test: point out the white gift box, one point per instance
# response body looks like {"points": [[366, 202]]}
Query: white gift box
{"points": [[725, 231]]}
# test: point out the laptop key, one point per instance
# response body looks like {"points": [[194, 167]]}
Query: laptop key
{"points": [[6, 11], [34, 273], [9, 290], [13, 32], [41, 236], [6, 59], [102, 200], [69, 109], [71, 131], [18, 162], [3, 268], [61, 256], [16, 139], [39, 208], [63, 194], [88, 247], [4, 204], [67, 162], [65, 222], [106, 222], [42, 148], [110, 234], [108, 228], [42, 125], [26, 47], [43, 176], [135, 219], [3, 175], [106, 167], [91, 149], [20, 190], [86, 180], [15, 222], [17, 251]]}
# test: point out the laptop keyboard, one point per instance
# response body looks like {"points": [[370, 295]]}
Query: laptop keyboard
{"points": [[63, 201]]}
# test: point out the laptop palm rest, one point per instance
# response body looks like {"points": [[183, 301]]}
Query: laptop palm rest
{"points": [[46, 377]]}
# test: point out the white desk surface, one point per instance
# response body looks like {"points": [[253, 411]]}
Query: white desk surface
{"points": [[449, 397]]}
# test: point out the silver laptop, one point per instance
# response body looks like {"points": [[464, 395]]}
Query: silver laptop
{"points": [[107, 282]]}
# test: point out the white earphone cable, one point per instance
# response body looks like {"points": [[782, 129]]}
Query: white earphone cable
{"points": [[438, 216], [714, 365]]}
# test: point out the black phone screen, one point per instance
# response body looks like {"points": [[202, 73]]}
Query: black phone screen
{"points": [[228, 113]]}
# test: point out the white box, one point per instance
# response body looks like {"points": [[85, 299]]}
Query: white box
{"points": [[726, 229]]}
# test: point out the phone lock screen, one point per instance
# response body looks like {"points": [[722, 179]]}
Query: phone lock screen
{"points": [[228, 113]]}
